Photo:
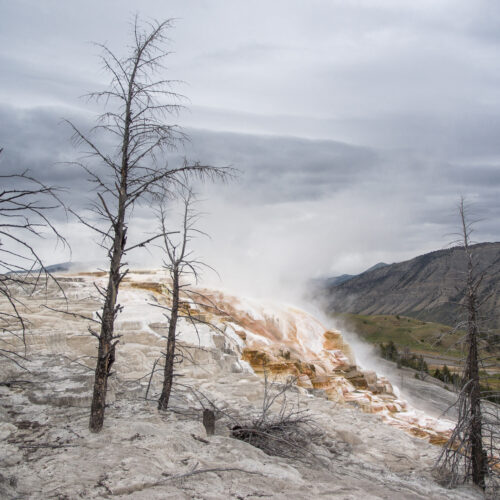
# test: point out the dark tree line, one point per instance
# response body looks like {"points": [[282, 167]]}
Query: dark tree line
{"points": [[448, 377], [390, 352]]}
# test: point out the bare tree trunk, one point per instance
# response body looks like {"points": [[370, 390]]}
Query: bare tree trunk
{"points": [[137, 102], [476, 437], [465, 455], [472, 387], [170, 355], [107, 342]]}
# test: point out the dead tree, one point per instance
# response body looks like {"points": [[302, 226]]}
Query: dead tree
{"points": [[280, 427], [471, 454], [185, 301], [137, 104], [26, 209], [179, 262]]}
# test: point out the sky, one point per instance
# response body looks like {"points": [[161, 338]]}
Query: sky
{"points": [[355, 125]]}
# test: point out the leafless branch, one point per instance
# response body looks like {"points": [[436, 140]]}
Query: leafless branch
{"points": [[26, 209], [472, 452], [138, 103]]}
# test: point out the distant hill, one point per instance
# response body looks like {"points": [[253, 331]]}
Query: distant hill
{"points": [[376, 266], [337, 280], [64, 267], [428, 287]]}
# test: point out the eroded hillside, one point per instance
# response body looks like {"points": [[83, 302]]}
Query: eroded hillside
{"points": [[428, 287]]}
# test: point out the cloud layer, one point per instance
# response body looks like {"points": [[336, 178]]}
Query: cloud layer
{"points": [[355, 126]]}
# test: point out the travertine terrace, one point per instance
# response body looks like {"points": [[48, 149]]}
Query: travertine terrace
{"points": [[49, 453]]}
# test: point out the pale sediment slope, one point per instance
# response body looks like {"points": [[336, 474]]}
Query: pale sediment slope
{"points": [[47, 451]]}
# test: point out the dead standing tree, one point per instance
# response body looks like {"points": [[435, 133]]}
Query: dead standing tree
{"points": [[26, 209], [182, 266], [186, 303], [471, 454], [135, 122], [178, 262]]}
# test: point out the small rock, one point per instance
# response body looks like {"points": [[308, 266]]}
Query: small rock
{"points": [[9, 455], [6, 430]]}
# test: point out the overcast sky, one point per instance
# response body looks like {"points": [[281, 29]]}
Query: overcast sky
{"points": [[356, 125]]}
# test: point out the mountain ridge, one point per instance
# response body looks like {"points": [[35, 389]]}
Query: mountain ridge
{"points": [[428, 287], [337, 280]]}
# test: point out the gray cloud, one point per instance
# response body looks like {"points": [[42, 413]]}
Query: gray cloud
{"points": [[355, 126], [299, 208], [279, 169]]}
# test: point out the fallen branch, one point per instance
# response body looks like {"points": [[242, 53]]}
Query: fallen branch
{"points": [[47, 445], [206, 471], [194, 472], [15, 382], [200, 439]]}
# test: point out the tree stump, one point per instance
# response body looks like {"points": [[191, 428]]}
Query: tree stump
{"points": [[209, 421]]}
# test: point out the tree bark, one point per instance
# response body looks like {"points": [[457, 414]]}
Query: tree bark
{"points": [[133, 171], [474, 392], [106, 350], [170, 354]]}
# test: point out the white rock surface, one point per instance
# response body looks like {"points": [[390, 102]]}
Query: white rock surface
{"points": [[46, 450]]}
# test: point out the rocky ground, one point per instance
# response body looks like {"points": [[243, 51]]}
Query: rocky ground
{"points": [[429, 395], [48, 452]]}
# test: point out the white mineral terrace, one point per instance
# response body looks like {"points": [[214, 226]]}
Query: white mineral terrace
{"points": [[263, 336], [48, 452]]}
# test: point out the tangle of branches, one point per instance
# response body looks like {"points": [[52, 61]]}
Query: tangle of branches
{"points": [[26, 209]]}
